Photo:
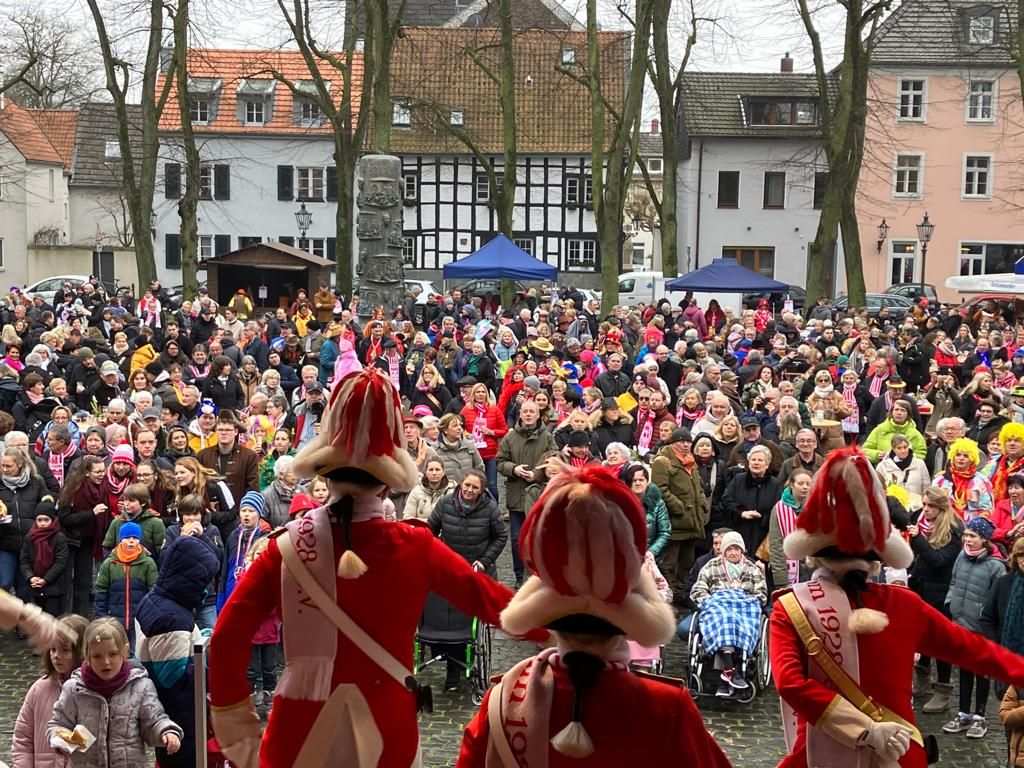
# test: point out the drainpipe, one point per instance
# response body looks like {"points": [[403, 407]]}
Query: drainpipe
{"points": [[700, 197]]}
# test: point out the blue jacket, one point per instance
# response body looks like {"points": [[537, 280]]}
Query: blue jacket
{"points": [[166, 632], [120, 588], [234, 559]]}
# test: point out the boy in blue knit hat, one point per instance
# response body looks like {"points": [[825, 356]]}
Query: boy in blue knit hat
{"points": [[124, 579], [252, 527]]}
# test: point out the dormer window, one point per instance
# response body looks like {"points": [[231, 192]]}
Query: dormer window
{"points": [[981, 29], [401, 115], [255, 101], [307, 112], [783, 112], [568, 57], [204, 95]]}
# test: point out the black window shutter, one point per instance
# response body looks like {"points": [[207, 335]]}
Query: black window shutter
{"points": [[332, 243], [172, 251], [286, 240], [172, 181], [332, 183], [285, 182], [221, 244], [222, 182]]}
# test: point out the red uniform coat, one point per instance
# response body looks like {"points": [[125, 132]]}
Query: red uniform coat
{"points": [[886, 662], [632, 720], [404, 564]]}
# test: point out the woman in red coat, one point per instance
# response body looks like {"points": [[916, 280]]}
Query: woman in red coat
{"points": [[863, 635], [485, 425], [577, 704]]}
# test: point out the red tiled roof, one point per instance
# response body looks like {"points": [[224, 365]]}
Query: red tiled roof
{"points": [[59, 125], [26, 136], [232, 67]]}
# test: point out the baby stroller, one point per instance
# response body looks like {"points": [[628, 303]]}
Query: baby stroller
{"points": [[444, 626], [755, 667]]}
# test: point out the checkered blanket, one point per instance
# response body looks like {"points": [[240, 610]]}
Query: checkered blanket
{"points": [[730, 618]]}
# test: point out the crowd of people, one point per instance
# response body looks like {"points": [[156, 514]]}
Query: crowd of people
{"points": [[129, 429]]}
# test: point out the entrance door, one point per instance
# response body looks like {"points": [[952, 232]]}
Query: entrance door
{"points": [[103, 267], [902, 262]]}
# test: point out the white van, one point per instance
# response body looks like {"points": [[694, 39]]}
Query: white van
{"points": [[636, 287]]}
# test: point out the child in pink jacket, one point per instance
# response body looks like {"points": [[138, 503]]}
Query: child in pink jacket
{"points": [[30, 747]]}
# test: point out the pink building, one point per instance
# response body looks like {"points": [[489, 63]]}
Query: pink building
{"points": [[944, 136]]}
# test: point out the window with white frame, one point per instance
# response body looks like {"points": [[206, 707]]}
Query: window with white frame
{"points": [[972, 259], [457, 117], [401, 114], [206, 182], [315, 245], [409, 251], [112, 150], [579, 190], [310, 183], [902, 260], [981, 30], [410, 185], [977, 176], [654, 165], [980, 100], [907, 178], [581, 254], [254, 112], [482, 188], [309, 112], [524, 243], [911, 99], [205, 247], [199, 111], [568, 57], [639, 254]]}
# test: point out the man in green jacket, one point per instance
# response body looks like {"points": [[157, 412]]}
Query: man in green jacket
{"points": [[674, 472], [519, 455]]}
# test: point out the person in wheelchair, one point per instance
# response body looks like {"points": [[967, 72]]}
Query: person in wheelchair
{"points": [[730, 593]]}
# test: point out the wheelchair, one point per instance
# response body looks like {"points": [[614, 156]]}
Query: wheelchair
{"points": [[475, 663], [756, 667]]}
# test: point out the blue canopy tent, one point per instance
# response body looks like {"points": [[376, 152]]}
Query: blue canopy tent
{"points": [[500, 259], [726, 276]]}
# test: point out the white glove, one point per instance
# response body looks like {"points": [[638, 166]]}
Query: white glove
{"points": [[237, 729], [890, 741], [43, 631]]}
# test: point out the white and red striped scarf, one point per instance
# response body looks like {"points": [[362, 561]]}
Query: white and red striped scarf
{"points": [[479, 439], [877, 380], [786, 515], [852, 422], [56, 461], [647, 431]]}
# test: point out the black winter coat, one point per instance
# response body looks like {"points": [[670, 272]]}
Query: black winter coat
{"points": [[748, 492], [55, 582], [21, 506], [994, 613], [478, 534], [933, 569], [619, 432], [224, 394]]}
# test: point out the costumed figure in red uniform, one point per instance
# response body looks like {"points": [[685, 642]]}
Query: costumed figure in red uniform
{"points": [[350, 588], [575, 705], [43, 631], [842, 648]]}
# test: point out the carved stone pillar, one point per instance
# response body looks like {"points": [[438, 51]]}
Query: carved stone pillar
{"points": [[379, 265]]}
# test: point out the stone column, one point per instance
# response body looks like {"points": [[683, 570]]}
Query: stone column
{"points": [[379, 266]]}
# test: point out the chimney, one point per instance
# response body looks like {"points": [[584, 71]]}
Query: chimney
{"points": [[655, 126], [786, 65]]}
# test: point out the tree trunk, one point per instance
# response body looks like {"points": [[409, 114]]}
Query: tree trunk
{"points": [[344, 159], [379, 25], [189, 204]]}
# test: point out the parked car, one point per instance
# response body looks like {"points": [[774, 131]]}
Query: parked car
{"points": [[899, 306], [914, 291], [796, 293], [49, 286], [483, 287], [175, 295]]}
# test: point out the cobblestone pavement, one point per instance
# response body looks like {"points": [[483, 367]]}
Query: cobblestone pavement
{"points": [[749, 733]]}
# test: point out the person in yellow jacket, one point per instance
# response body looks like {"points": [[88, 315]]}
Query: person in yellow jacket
{"points": [[145, 353], [241, 303]]}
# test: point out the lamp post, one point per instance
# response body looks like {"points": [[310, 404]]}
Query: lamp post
{"points": [[152, 224], [924, 233], [303, 219], [883, 233]]}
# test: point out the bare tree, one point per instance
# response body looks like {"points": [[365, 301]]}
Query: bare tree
{"points": [[16, 78], [58, 64], [843, 113], [188, 207], [138, 159]]}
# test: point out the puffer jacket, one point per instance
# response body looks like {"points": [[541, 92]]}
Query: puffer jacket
{"points": [[1011, 712], [479, 534], [278, 502], [30, 747], [134, 710], [713, 577], [166, 630], [682, 493], [932, 569], [526, 447], [212, 537], [120, 588], [21, 506], [152, 526], [422, 499], [458, 458], [914, 479], [973, 580], [879, 442], [659, 526], [605, 434]]}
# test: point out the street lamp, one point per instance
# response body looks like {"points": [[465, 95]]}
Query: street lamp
{"points": [[152, 224], [883, 233], [304, 220], [924, 233]]}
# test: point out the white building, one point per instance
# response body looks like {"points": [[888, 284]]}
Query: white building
{"points": [[33, 186], [752, 177]]}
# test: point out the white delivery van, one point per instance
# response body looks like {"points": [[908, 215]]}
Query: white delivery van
{"points": [[635, 287]]}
